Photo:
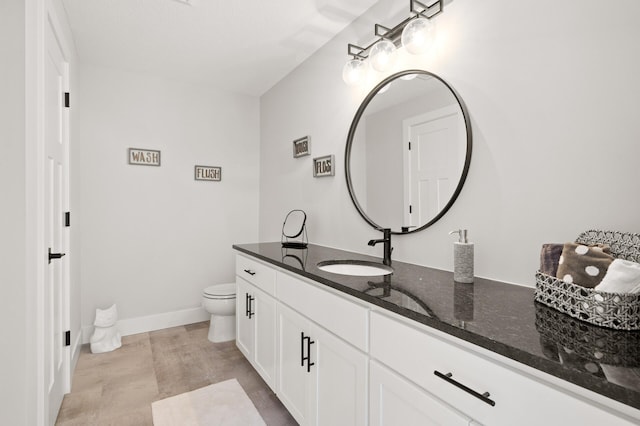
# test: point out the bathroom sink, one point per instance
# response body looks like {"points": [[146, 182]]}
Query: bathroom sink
{"points": [[361, 268]]}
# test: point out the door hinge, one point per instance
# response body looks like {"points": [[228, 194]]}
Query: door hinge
{"points": [[67, 219], [67, 338], [409, 145], [410, 209], [66, 99]]}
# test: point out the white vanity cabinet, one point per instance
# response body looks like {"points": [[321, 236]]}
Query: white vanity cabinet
{"points": [[335, 360], [322, 380], [256, 323], [297, 341], [459, 377]]}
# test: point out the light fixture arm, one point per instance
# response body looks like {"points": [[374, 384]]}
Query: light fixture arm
{"points": [[356, 51], [377, 32], [427, 11]]}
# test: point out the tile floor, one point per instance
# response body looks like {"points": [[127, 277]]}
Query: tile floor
{"points": [[117, 388]]}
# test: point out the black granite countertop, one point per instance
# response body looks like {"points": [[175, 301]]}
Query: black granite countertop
{"points": [[500, 317]]}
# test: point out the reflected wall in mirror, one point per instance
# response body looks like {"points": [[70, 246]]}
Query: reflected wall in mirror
{"points": [[408, 152]]}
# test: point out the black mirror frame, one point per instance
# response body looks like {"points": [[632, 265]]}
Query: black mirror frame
{"points": [[352, 130]]}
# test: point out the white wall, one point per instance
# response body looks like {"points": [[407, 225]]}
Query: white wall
{"points": [[13, 319], [152, 238], [552, 93]]}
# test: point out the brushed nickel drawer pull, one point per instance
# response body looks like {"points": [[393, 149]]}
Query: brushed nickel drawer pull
{"points": [[484, 397]]}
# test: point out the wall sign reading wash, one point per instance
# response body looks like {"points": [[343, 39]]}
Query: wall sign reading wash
{"points": [[208, 173], [144, 157], [323, 166]]}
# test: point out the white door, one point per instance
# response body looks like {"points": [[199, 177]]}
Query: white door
{"points": [[56, 291], [265, 336], [244, 326], [296, 368], [342, 382], [396, 401], [433, 164]]}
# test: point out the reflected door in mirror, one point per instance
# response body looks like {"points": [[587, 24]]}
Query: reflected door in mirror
{"points": [[431, 165]]}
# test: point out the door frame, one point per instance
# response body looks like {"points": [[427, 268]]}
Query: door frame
{"points": [[38, 14]]}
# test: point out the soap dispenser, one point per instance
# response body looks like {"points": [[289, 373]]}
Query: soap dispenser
{"points": [[462, 258]]}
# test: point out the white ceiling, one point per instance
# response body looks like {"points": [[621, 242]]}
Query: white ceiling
{"points": [[241, 45]]}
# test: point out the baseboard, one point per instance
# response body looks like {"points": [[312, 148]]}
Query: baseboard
{"points": [[137, 325]]}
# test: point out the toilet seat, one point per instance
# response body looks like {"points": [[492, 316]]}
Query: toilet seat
{"points": [[220, 291]]}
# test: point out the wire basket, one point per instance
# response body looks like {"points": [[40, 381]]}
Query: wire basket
{"points": [[612, 310]]}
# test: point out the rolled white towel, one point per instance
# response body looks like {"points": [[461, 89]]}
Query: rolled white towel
{"points": [[623, 276]]}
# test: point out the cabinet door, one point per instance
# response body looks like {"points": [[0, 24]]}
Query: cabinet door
{"points": [[244, 324], [296, 378], [342, 381], [264, 318], [396, 401]]}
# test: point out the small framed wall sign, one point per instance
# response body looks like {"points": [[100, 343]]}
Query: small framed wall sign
{"points": [[324, 166], [144, 157], [208, 173], [302, 147]]}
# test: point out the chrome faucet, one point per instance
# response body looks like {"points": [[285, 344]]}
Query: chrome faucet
{"points": [[386, 239]]}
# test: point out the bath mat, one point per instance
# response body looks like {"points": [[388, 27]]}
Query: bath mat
{"points": [[220, 404]]}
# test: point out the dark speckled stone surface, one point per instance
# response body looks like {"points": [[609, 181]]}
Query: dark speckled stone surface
{"points": [[500, 317]]}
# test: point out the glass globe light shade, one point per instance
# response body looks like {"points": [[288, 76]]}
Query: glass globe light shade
{"points": [[417, 36], [382, 55], [353, 71]]}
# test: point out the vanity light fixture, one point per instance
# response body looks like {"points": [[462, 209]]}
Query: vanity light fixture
{"points": [[414, 33]]}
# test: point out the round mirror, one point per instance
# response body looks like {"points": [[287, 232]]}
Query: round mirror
{"points": [[408, 152]]}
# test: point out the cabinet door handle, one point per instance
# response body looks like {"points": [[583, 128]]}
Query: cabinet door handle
{"points": [[484, 397], [302, 357], [309, 363], [55, 255], [251, 313], [308, 357], [250, 272], [247, 309]]}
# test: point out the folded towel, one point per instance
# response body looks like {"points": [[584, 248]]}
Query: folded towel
{"points": [[583, 265], [623, 276], [549, 258]]}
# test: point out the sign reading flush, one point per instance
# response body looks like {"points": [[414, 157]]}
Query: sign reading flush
{"points": [[208, 173], [144, 157], [323, 166]]}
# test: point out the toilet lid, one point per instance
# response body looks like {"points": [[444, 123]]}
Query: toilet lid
{"points": [[221, 290]]}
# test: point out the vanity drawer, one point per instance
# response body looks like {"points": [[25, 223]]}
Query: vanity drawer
{"points": [[518, 398], [257, 273], [342, 317]]}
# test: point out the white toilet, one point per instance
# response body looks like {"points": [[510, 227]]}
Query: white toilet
{"points": [[220, 301]]}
